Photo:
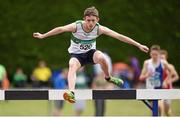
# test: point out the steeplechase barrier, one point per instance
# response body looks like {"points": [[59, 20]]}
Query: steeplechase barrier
{"points": [[134, 94]]}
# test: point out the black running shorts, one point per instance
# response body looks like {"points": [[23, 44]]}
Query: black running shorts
{"points": [[85, 58]]}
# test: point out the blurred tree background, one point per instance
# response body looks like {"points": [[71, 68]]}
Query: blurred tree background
{"points": [[147, 21]]}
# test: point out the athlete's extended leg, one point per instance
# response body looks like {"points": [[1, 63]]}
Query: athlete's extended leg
{"points": [[74, 65], [99, 58]]}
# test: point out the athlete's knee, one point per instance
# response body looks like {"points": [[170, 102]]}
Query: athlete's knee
{"points": [[99, 57], [74, 63]]}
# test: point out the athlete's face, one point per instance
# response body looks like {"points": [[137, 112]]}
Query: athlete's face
{"points": [[90, 21], [154, 54], [163, 57]]}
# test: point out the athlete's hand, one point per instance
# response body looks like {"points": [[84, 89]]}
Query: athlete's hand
{"points": [[38, 35], [144, 48]]}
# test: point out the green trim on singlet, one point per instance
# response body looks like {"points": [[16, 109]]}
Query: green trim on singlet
{"points": [[97, 24], [77, 22], [91, 29], [80, 21], [79, 41]]}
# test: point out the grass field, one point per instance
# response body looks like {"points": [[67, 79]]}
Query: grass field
{"points": [[113, 108]]}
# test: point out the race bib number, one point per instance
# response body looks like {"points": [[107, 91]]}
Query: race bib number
{"points": [[153, 82], [85, 46]]}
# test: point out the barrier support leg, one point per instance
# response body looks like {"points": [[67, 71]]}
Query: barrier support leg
{"points": [[155, 108], [148, 104]]}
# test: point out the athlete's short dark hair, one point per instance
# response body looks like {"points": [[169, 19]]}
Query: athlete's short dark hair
{"points": [[91, 11], [155, 47]]}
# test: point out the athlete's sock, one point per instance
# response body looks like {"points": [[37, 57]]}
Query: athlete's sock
{"points": [[72, 92], [107, 78]]}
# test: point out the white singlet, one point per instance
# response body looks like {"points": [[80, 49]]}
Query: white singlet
{"points": [[155, 81], [82, 41]]}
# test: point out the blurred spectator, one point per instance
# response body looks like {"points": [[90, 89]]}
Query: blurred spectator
{"points": [[2, 74], [100, 83], [59, 82], [4, 82], [123, 71], [19, 79], [81, 83], [41, 75], [134, 64]]}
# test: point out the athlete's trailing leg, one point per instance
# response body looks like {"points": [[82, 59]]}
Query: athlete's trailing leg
{"points": [[99, 58]]}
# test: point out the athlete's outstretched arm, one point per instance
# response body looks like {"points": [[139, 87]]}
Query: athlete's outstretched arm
{"points": [[111, 33], [55, 31]]}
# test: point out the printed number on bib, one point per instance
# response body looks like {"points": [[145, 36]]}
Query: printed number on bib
{"points": [[153, 82], [85, 46]]}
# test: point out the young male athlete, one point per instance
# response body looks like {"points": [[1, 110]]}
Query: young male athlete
{"points": [[152, 71], [83, 46], [169, 77]]}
